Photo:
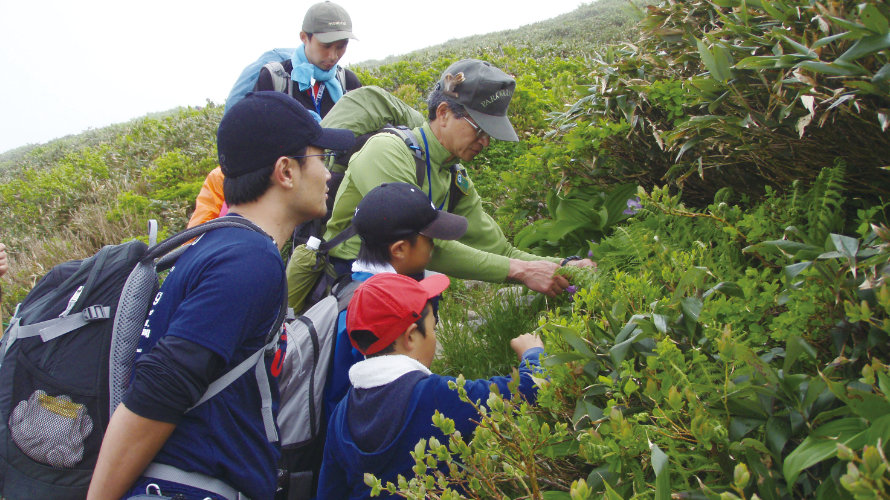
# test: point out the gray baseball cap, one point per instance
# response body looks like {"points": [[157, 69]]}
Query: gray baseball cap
{"points": [[485, 91], [329, 22]]}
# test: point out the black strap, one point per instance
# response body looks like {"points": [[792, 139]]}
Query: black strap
{"points": [[455, 193]]}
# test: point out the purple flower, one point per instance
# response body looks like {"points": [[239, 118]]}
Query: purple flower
{"points": [[571, 289], [633, 206], [590, 254]]}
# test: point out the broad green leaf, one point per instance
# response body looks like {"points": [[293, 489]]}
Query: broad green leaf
{"points": [[837, 68], [801, 48], [794, 269], [619, 351], [560, 358], [883, 74], [563, 449], [739, 426], [662, 473], [865, 404], [556, 495], [778, 430], [872, 18], [572, 337], [687, 145], [660, 322], [794, 347], [865, 46], [727, 288], [717, 66], [846, 245], [773, 10], [598, 476], [828, 39], [820, 445], [611, 494], [629, 328], [692, 307], [757, 62]]}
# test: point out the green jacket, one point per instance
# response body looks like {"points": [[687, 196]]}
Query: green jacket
{"points": [[482, 254]]}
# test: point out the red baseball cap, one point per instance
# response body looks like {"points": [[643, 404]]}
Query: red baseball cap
{"points": [[386, 305]]}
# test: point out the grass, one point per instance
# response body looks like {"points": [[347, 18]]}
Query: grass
{"points": [[476, 323]]}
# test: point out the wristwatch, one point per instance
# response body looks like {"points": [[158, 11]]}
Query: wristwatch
{"points": [[569, 258]]}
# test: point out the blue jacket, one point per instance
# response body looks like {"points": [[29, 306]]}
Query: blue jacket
{"points": [[388, 410]]}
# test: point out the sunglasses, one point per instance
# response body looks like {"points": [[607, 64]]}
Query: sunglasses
{"points": [[477, 128]]}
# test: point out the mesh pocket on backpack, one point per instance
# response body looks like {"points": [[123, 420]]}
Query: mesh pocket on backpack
{"points": [[56, 430], [51, 430]]}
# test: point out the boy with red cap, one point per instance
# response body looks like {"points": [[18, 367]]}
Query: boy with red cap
{"points": [[394, 395]]}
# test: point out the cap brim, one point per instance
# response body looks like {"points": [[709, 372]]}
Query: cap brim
{"points": [[446, 226], [338, 139], [435, 284], [498, 127], [334, 36]]}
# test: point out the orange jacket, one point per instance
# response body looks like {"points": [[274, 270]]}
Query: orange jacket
{"points": [[211, 203]]}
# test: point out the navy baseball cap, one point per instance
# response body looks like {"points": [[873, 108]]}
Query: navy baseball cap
{"points": [[396, 210], [267, 125]]}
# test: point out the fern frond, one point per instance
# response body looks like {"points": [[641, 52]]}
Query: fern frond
{"points": [[825, 213]]}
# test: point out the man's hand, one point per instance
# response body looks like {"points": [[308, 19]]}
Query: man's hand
{"points": [[4, 261], [538, 275], [525, 342]]}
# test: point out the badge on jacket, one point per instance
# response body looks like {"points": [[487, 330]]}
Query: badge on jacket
{"points": [[460, 179]]}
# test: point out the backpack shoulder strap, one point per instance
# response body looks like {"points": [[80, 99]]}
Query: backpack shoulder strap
{"points": [[410, 140], [341, 77], [257, 363], [343, 292], [281, 80]]}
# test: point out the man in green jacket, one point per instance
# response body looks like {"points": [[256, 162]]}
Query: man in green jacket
{"points": [[467, 108]]}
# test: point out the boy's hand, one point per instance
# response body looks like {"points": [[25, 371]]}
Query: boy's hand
{"points": [[525, 342]]}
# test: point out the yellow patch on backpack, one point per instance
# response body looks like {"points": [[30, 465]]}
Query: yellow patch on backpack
{"points": [[460, 179]]}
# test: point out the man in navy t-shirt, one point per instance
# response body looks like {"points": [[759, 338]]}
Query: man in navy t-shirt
{"points": [[214, 310]]}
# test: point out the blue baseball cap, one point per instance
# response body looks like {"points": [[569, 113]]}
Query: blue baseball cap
{"points": [[267, 125]]}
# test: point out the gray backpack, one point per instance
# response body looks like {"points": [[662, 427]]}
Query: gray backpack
{"points": [[310, 345]]}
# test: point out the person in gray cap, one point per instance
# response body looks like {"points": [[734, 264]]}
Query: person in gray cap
{"points": [[467, 108], [212, 313], [319, 81]]}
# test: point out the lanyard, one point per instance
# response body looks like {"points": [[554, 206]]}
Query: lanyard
{"points": [[429, 171], [317, 95]]}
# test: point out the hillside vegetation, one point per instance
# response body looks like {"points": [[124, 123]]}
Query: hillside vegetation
{"points": [[727, 169]]}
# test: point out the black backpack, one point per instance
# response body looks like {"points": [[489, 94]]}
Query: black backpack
{"points": [[67, 357]]}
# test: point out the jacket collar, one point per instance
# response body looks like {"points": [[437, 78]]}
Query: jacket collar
{"points": [[381, 370], [438, 153]]}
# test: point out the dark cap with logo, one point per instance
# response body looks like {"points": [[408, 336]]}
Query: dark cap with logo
{"points": [[396, 210], [329, 22], [265, 126], [485, 91]]}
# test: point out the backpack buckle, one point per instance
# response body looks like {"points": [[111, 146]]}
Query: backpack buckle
{"points": [[94, 313]]}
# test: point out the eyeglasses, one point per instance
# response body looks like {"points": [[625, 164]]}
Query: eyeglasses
{"points": [[477, 128], [325, 155]]}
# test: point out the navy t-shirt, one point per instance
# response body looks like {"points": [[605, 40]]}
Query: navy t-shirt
{"points": [[223, 295]]}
